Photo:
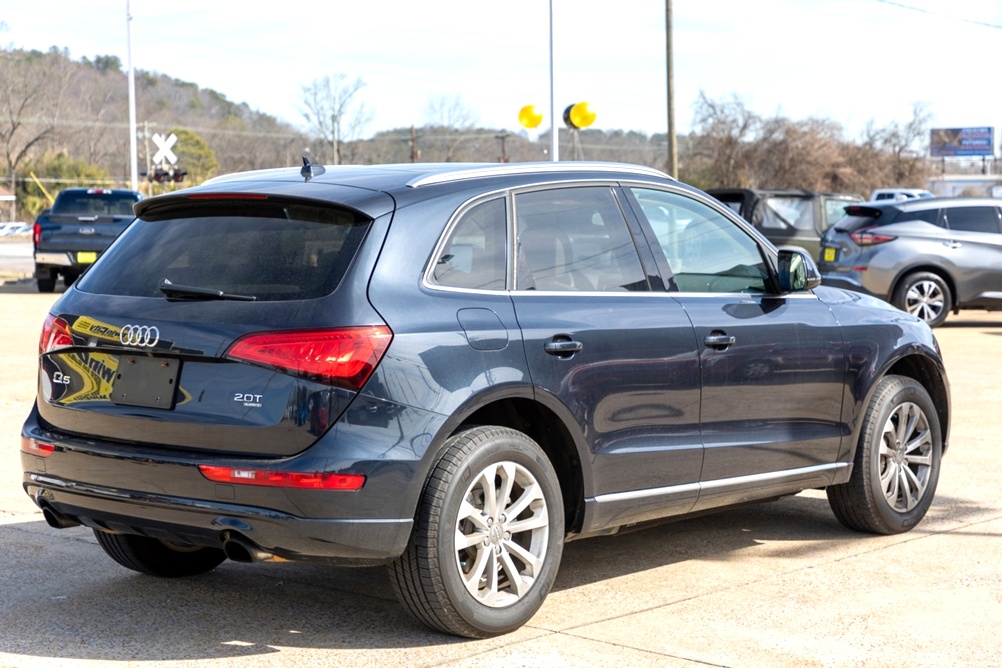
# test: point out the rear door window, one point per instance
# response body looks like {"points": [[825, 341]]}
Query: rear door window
{"points": [[268, 250], [973, 219], [575, 240]]}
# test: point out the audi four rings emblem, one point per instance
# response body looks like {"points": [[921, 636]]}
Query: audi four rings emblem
{"points": [[139, 335]]}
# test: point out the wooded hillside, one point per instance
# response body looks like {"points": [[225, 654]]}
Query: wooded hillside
{"points": [[65, 122]]}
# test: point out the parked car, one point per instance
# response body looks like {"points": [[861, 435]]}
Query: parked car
{"points": [[926, 256], [898, 194], [788, 217], [454, 369], [14, 229]]}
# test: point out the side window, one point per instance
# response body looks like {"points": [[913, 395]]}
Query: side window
{"points": [[973, 218], [575, 239], [473, 256], [706, 251]]}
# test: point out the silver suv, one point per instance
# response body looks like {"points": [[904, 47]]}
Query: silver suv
{"points": [[926, 256]]}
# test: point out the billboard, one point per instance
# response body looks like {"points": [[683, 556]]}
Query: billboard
{"points": [[958, 142]]}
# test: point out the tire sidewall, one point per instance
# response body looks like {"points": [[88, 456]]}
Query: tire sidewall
{"points": [[906, 391], [514, 447]]}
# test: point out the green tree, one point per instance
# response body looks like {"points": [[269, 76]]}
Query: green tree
{"points": [[194, 156]]}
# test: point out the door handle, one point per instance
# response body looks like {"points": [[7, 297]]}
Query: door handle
{"points": [[718, 341], [953, 244], [563, 347]]}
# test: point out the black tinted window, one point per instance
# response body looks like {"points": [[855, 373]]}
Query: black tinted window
{"points": [[973, 219], [575, 239], [97, 204], [267, 250], [474, 254]]}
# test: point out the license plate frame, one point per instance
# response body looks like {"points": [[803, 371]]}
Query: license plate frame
{"points": [[149, 382]]}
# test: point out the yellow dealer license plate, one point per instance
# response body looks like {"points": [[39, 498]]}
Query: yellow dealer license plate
{"points": [[86, 258], [829, 254]]}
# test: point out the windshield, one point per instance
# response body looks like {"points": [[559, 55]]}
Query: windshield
{"points": [[785, 213]]}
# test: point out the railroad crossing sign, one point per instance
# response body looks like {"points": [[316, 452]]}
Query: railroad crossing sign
{"points": [[164, 151]]}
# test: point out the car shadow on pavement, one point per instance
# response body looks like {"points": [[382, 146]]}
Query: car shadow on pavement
{"points": [[85, 607]]}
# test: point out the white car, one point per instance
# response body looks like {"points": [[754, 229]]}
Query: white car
{"points": [[899, 194]]}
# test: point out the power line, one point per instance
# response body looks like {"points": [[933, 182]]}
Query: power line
{"points": [[948, 16]]}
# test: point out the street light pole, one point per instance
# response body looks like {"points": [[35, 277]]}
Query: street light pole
{"points": [[554, 128]]}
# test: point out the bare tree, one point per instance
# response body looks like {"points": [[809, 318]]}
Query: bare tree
{"points": [[30, 91], [332, 111]]}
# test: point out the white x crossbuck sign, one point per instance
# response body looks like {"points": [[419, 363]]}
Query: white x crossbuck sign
{"points": [[164, 151]]}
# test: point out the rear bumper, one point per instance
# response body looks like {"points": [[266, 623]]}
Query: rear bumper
{"points": [[159, 492], [211, 523]]}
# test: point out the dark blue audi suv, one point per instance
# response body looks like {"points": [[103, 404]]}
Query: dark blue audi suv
{"points": [[454, 369]]}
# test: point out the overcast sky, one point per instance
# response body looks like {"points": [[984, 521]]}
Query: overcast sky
{"points": [[850, 61]]}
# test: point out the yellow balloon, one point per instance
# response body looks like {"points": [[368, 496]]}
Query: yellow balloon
{"points": [[581, 115], [529, 116]]}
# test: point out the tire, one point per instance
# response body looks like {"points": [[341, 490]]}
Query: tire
{"points": [[926, 296], [156, 557], [897, 461], [46, 284], [498, 579]]}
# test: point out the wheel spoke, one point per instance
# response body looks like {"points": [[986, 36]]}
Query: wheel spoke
{"points": [[472, 578], [507, 472]]}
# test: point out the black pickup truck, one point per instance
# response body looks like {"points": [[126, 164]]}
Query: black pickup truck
{"points": [[80, 225]]}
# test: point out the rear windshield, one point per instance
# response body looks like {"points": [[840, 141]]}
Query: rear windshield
{"points": [[271, 251], [97, 204]]}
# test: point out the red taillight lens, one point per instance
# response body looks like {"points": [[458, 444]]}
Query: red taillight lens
{"points": [[37, 448], [341, 357], [293, 479], [55, 335], [36, 233], [867, 237]]}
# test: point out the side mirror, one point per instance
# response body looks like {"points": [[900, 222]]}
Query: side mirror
{"points": [[797, 272]]}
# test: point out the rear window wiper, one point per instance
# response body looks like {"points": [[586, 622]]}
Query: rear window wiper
{"points": [[175, 291]]}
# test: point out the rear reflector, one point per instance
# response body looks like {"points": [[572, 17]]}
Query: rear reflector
{"points": [[293, 479], [37, 448], [340, 357], [55, 335]]}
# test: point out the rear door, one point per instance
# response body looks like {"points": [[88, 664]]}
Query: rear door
{"points": [[607, 353], [771, 366], [975, 249]]}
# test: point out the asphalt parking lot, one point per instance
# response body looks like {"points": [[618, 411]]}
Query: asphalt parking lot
{"points": [[778, 584]]}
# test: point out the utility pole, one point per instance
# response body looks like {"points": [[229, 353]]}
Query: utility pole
{"points": [[133, 157], [502, 137], [671, 164], [554, 128]]}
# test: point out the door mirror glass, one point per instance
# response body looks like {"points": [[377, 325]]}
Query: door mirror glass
{"points": [[797, 272]]}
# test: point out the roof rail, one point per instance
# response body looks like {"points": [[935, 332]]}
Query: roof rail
{"points": [[473, 172]]}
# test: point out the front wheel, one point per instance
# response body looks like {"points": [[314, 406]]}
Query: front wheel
{"points": [[926, 296], [897, 461], [488, 537], [158, 557]]}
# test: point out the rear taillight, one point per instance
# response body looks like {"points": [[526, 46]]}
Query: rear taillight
{"points": [[37, 448], [55, 335], [340, 357], [36, 233], [294, 479], [867, 237]]}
